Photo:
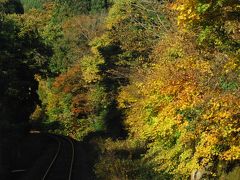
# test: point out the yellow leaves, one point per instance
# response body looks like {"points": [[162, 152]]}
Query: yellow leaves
{"points": [[37, 114], [126, 98], [231, 65], [186, 154], [232, 154], [224, 115], [37, 77], [198, 122], [199, 65], [187, 12], [90, 68], [99, 42], [118, 12], [203, 66]]}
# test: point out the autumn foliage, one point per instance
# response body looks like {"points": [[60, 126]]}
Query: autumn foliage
{"points": [[160, 79], [173, 70]]}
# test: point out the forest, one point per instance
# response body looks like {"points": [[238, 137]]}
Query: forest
{"points": [[154, 83]]}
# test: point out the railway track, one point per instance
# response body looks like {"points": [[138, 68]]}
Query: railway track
{"points": [[61, 165], [55, 163]]}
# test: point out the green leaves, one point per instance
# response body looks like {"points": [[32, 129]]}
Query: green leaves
{"points": [[22, 56], [136, 25], [211, 21], [202, 8]]}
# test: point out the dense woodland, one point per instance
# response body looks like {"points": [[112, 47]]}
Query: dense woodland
{"points": [[159, 81]]}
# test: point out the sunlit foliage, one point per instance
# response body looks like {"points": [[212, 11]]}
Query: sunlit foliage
{"points": [[217, 22], [186, 106], [164, 75]]}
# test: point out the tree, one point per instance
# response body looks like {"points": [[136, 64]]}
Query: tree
{"points": [[22, 54], [216, 23], [11, 6]]}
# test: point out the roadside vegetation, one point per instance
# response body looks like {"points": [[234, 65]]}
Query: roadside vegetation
{"points": [[153, 85]]}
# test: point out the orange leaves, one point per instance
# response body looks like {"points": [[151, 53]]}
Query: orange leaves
{"points": [[72, 83], [80, 105]]}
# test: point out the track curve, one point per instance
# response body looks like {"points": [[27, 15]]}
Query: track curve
{"points": [[61, 166]]}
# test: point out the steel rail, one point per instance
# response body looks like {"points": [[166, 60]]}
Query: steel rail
{"points": [[54, 158], [18, 170], [72, 159], [58, 137]]}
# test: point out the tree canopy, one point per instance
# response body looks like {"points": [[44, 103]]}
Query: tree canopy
{"points": [[160, 80]]}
